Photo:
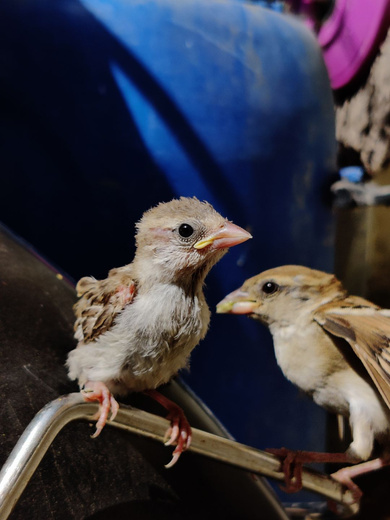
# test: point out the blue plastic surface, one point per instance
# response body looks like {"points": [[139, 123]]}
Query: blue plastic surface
{"points": [[108, 107], [352, 173]]}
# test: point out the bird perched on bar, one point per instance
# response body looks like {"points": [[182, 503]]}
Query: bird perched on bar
{"points": [[333, 346], [137, 328]]}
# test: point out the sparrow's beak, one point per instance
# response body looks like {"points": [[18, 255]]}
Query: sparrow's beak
{"points": [[227, 236], [237, 302]]}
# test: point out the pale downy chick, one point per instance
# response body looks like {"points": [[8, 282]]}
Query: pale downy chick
{"points": [[333, 346], [137, 328]]}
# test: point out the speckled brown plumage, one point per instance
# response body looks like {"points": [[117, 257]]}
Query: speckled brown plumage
{"points": [[100, 302]]}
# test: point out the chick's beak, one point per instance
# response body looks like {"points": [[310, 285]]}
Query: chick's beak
{"points": [[237, 302], [227, 236]]}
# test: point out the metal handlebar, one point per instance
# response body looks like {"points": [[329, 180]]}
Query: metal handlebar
{"points": [[42, 430]]}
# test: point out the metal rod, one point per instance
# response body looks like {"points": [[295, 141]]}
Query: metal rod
{"points": [[40, 433]]}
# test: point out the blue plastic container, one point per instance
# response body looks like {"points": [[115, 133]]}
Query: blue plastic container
{"points": [[108, 107]]}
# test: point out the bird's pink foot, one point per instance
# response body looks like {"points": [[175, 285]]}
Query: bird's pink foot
{"points": [[179, 432], [292, 464], [345, 475], [98, 391]]}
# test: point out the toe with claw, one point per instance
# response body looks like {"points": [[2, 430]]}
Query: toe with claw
{"points": [[342, 476], [98, 391], [292, 464], [179, 432]]}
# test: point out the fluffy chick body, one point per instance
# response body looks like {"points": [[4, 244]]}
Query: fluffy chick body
{"points": [[148, 344], [137, 328]]}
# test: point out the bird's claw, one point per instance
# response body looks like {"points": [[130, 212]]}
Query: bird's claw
{"points": [[175, 458], [171, 435], [97, 391], [180, 433], [342, 476], [183, 443], [292, 464]]}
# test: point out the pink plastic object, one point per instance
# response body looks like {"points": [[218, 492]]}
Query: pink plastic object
{"points": [[351, 35]]}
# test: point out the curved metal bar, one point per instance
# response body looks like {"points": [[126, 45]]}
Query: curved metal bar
{"points": [[40, 433], [33, 444]]}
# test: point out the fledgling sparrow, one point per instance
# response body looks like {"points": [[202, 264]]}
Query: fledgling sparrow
{"points": [[333, 346], [137, 328]]}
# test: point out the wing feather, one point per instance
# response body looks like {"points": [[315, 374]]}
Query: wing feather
{"points": [[101, 301], [367, 330]]}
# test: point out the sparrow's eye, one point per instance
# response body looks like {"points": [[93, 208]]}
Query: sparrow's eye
{"points": [[270, 287], [185, 230]]}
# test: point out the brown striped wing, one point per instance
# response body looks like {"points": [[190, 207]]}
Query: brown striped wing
{"points": [[368, 333], [101, 301]]}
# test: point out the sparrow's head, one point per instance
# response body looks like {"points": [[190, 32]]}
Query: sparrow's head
{"points": [[277, 295], [183, 237]]}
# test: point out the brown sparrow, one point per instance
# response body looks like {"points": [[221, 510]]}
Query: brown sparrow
{"points": [[137, 328], [333, 346]]}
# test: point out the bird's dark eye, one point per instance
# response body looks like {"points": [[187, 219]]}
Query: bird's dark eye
{"points": [[185, 230], [270, 287]]}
